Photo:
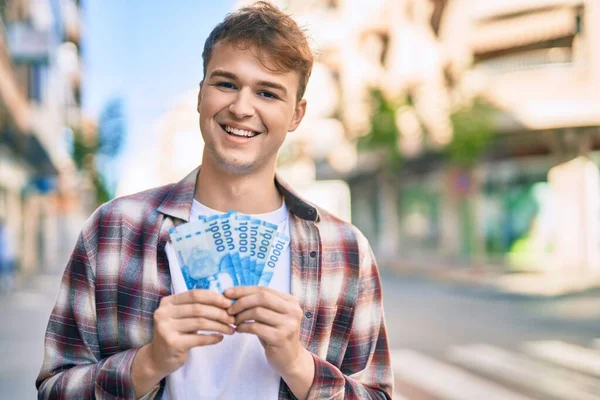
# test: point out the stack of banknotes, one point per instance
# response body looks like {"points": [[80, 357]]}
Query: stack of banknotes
{"points": [[227, 250]]}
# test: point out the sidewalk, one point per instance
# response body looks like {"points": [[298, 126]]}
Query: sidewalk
{"points": [[535, 284], [24, 314]]}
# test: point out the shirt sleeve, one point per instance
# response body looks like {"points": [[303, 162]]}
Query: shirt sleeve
{"points": [[73, 366], [366, 371]]}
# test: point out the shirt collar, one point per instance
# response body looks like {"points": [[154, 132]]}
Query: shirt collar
{"points": [[178, 202]]}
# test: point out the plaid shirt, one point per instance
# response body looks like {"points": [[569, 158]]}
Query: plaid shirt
{"points": [[118, 273]]}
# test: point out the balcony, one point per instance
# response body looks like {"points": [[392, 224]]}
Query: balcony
{"points": [[557, 57]]}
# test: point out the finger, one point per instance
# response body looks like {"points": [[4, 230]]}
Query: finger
{"points": [[196, 340], [190, 325], [201, 296], [282, 295], [263, 299], [266, 333], [202, 311], [240, 291], [262, 315]]}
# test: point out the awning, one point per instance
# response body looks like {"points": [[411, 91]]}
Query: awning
{"points": [[489, 9], [492, 35], [536, 105], [30, 149]]}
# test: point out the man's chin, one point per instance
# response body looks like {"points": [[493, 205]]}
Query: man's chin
{"points": [[236, 164], [237, 167]]}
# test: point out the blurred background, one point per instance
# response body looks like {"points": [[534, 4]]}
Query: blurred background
{"points": [[461, 136]]}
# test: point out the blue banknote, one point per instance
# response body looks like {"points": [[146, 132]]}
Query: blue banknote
{"points": [[218, 246], [242, 234], [254, 225], [200, 265], [227, 250], [266, 235], [226, 224], [275, 252]]}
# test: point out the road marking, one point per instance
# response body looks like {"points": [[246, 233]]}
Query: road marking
{"points": [[444, 380], [542, 378], [567, 355]]}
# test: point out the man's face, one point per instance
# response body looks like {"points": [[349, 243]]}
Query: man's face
{"points": [[245, 110]]}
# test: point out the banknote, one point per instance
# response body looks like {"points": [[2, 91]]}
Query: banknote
{"points": [[266, 234], [227, 221], [254, 225], [227, 250], [184, 231], [218, 247], [277, 248], [200, 265], [242, 234]]}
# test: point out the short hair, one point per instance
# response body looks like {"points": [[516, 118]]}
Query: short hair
{"points": [[272, 32]]}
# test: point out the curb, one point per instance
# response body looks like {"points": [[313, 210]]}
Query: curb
{"points": [[527, 284]]}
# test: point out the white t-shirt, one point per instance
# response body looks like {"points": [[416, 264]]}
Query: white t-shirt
{"points": [[236, 368]]}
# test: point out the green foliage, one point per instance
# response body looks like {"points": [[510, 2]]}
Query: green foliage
{"points": [[80, 149], [473, 134], [383, 134], [83, 154], [96, 153], [472, 127], [102, 192], [3, 5]]}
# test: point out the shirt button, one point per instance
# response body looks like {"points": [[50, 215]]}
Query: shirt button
{"points": [[313, 254], [308, 314]]}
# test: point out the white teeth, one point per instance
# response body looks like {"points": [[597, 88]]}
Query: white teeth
{"points": [[239, 132]]}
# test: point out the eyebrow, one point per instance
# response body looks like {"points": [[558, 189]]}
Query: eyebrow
{"points": [[269, 84]]}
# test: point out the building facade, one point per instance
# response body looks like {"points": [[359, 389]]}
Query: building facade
{"points": [[43, 199], [534, 63]]}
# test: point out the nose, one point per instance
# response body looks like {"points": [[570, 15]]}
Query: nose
{"points": [[242, 106]]}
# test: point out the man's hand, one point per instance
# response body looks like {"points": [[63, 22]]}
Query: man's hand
{"points": [[176, 322], [275, 317]]}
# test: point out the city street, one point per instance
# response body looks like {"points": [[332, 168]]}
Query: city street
{"points": [[24, 315], [452, 341], [462, 138], [449, 341]]}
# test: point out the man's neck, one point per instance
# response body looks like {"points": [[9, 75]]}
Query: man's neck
{"points": [[253, 194]]}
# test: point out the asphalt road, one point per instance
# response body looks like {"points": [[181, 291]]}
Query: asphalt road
{"points": [[460, 342], [429, 315]]}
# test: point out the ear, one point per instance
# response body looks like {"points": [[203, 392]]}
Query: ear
{"points": [[199, 96], [298, 115]]}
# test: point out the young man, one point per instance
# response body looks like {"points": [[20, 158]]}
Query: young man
{"points": [[121, 330]]}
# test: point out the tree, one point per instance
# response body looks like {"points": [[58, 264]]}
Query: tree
{"points": [[472, 134], [95, 153], [383, 134], [111, 136]]}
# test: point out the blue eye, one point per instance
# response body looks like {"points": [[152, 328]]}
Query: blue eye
{"points": [[267, 95], [226, 85]]}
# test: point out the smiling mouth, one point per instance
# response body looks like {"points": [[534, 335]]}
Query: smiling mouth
{"points": [[239, 132]]}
